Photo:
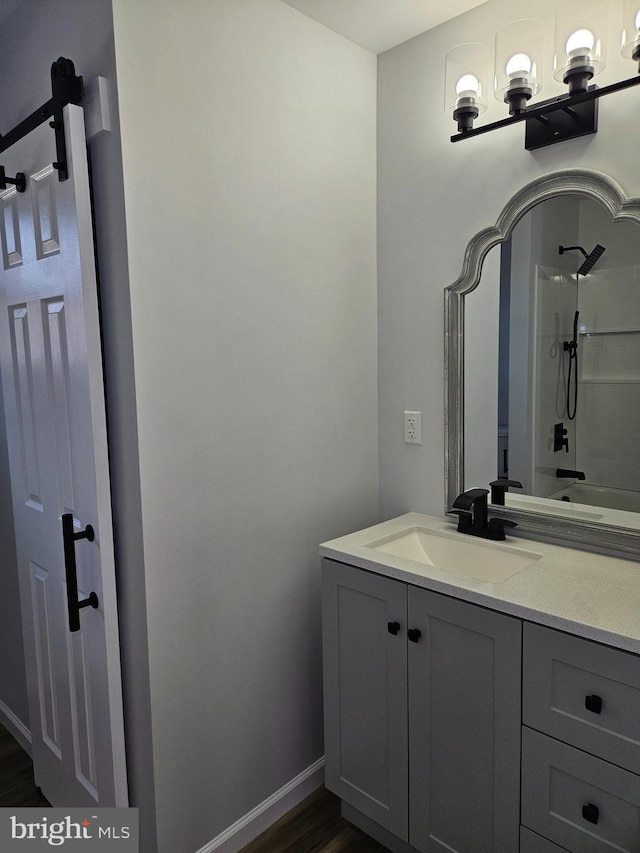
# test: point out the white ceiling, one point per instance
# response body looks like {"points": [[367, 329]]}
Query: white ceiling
{"points": [[378, 25]]}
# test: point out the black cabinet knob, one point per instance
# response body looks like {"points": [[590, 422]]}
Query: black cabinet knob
{"points": [[414, 634], [590, 813], [393, 627], [593, 703]]}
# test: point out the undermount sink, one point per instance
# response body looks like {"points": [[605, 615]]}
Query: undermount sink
{"points": [[493, 564]]}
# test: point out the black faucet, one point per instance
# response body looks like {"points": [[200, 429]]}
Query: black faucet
{"points": [[569, 472], [499, 487], [473, 506], [471, 509]]}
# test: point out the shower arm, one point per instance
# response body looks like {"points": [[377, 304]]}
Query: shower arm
{"points": [[591, 258], [563, 249]]}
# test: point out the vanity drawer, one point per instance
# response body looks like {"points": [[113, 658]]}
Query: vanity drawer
{"points": [[531, 842], [578, 801], [582, 693]]}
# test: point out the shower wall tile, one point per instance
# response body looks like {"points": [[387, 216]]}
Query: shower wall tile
{"points": [[555, 298], [608, 300], [610, 357], [608, 433], [605, 437], [609, 437]]}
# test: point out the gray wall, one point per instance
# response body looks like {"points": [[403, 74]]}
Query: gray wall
{"points": [[250, 176], [433, 198], [248, 139]]}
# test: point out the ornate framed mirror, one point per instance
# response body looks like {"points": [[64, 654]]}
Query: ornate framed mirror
{"points": [[542, 362]]}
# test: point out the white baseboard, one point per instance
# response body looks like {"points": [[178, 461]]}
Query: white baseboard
{"points": [[268, 812], [15, 726]]}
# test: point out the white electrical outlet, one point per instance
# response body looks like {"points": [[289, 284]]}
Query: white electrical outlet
{"points": [[413, 427]]}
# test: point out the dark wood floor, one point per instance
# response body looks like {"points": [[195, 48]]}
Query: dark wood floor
{"points": [[17, 787], [314, 826]]}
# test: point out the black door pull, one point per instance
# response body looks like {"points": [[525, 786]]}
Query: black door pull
{"points": [[593, 703], [414, 634], [590, 813], [69, 537], [393, 627], [19, 182]]}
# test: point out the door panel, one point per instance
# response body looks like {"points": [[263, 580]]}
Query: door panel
{"points": [[57, 362], [47, 681], [81, 716], [45, 212], [51, 361], [24, 404], [10, 231]]}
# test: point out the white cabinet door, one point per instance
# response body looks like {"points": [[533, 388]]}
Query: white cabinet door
{"points": [[422, 712], [464, 726], [51, 361], [365, 692]]}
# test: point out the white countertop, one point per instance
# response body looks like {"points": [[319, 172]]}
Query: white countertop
{"points": [[574, 510], [591, 595]]}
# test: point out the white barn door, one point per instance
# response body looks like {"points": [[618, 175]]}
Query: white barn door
{"points": [[50, 356]]}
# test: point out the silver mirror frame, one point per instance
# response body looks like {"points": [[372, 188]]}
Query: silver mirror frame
{"points": [[569, 182]]}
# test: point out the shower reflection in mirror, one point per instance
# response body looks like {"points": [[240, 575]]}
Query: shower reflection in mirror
{"points": [[560, 317]]}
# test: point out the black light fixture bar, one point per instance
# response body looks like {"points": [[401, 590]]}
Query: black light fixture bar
{"points": [[67, 88], [564, 117]]}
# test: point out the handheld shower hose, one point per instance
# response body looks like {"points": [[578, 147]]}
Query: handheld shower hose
{"points": [[572, 348]]}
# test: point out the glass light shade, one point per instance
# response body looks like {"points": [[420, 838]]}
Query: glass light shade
{"points": [[518, 60], [580, 38], [631, 29], [467, 73]]}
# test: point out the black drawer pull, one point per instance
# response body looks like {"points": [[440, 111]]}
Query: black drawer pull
{"points": [[393, 627], [414, 634], [590, 813], [593, 703]]}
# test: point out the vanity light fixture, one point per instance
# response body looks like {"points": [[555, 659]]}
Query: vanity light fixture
{"points": [[579, 55], [467, 72], [631, 31], [518, 56], [580, 40]]}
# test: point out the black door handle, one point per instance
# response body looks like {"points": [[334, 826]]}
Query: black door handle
{"points": [[590, 813], [19, 182], [69, 537], [414, 634], [393, 627], [593, 703]]}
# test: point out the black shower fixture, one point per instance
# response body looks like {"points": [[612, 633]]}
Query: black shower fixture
{"points": [[590, 259], [572, 348]]}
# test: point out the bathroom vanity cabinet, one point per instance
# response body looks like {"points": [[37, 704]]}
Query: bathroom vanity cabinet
{"points": [[422, 713], [580, 743], [432, 703]]}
